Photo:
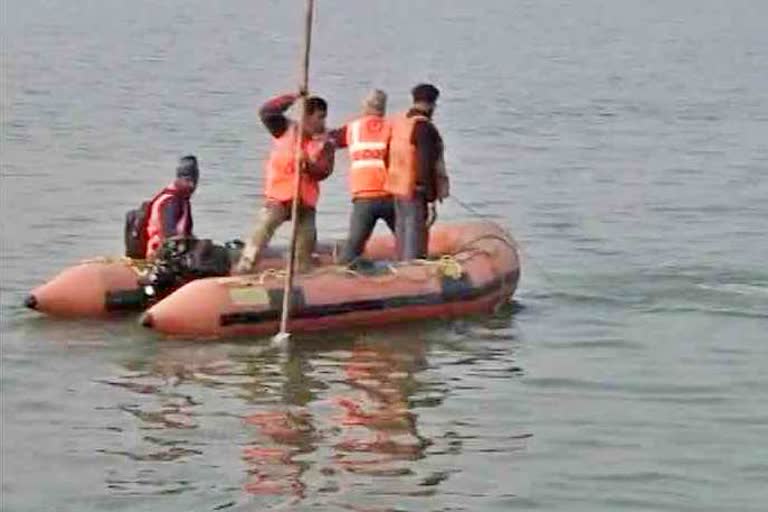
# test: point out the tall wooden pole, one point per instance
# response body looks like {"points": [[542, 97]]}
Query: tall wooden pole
{"points": [[299, 159]]}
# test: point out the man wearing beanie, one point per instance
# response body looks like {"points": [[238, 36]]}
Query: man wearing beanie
{"points": [[366, 140], [416, 173], [170, 212]]}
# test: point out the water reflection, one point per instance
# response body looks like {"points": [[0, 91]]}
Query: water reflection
{"points": [[322, 419], [379, 431], [358, 414], [282, 436]]}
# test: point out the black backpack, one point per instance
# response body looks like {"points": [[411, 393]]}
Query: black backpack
{"points": [[136, 229]]}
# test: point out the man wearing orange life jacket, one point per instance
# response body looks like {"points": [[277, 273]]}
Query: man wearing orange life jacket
{"points": [[416, 174], [366, 139], [279, 179], [170, 213]]}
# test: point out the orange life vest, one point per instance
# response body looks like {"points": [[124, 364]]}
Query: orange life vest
{"points": [[155, 236], [402, 168], [367, 142], [281, 168]]}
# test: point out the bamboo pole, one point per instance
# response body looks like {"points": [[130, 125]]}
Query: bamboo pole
{"points": [[299, 160]]}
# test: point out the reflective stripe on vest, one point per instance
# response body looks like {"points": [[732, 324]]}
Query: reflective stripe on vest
{"points": [[367, 143]]}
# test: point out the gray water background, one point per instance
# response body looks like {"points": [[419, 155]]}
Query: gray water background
{"points": [[624, 143]]}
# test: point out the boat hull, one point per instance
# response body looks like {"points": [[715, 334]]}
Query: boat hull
{"points": [[475, 268]]}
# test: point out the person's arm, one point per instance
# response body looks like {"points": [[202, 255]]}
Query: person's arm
{"points": [[319, 163], [339, 137], [443, 182], [170, 214], [272, 114], [427, 142]]}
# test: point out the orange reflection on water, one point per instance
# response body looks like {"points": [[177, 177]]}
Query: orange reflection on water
{"points": [[271, 469], [378, 428], [355, 402]]}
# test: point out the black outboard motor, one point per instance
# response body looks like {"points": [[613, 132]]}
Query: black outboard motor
{"points": [[179, 261]]}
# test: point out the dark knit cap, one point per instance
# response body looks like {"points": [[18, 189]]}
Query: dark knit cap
{"points": [[188, 168], [426, 93]]}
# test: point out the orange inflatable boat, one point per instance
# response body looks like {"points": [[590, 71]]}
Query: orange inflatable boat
{"points": [[102, 286], [473, 268]]}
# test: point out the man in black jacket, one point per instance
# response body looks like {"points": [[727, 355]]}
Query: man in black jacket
{"points": [[416, 211]]}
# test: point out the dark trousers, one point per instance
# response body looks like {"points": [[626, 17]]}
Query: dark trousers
{"points": [[411, 231], [365, 213]]}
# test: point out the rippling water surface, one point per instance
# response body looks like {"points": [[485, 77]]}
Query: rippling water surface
{"points": [[625, 144]]}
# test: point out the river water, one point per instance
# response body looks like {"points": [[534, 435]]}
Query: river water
{"points": [[625, 145]]}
